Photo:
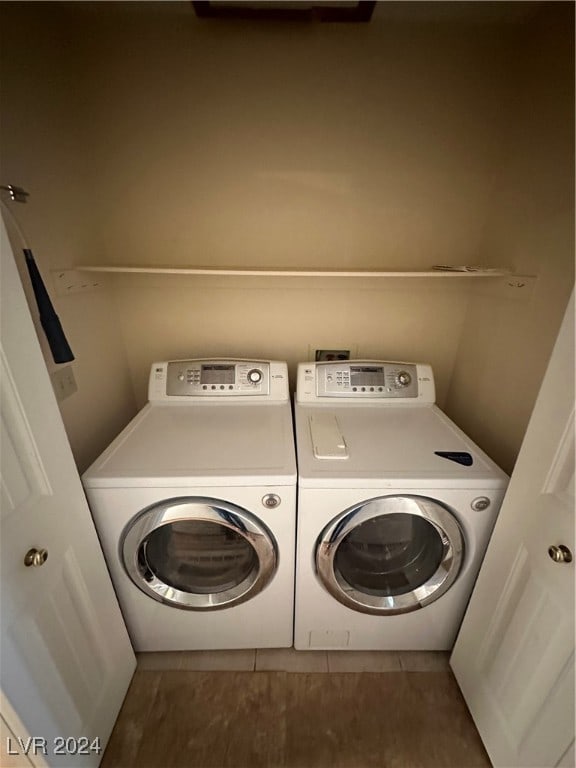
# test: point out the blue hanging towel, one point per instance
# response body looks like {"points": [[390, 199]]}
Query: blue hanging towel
{"points": [[59, 346]]}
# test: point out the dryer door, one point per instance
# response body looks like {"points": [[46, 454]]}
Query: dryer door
{"points": [[390, 555], [199, 553]]}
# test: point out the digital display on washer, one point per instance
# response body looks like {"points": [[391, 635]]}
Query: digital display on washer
{"points": [[366, 376], [218, 374]]}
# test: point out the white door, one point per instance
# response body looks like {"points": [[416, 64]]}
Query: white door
{"points": [[514, 656], [66, 660]]}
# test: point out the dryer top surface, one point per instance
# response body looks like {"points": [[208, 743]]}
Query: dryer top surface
{"points": [[205, 444], [387, 448]]}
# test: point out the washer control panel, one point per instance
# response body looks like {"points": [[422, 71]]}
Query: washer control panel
{"points": [[359, 380], [367, 380], [183, 380], [220, 378]]}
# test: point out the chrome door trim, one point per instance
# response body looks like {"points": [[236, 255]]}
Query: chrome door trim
{"points": [[437, 515], [207, 510]]}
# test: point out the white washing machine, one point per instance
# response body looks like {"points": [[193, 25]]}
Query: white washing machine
{"points": [[395, 509], [195, 506]]}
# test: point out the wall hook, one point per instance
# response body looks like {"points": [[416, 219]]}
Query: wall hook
{"points": [[17, 194]]}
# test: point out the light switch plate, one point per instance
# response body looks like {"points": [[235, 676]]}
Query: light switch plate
{"points": [[64, 382]]}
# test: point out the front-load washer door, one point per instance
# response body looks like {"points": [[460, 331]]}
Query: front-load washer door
{"points": [[199, 553], [390, 555]]}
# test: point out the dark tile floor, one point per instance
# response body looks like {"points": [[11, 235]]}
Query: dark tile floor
{"points": [[182, 717]]}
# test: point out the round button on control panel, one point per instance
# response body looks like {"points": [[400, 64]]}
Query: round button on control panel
{"points": [[403, 379], [254, 376]]}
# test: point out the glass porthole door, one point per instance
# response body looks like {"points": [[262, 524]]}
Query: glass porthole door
{"points": [[390, 555], [199, 553]]}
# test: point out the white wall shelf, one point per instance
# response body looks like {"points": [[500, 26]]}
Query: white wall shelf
{"points": [[253, 272]]}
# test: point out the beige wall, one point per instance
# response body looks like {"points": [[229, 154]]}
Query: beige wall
{"points": [[295, 146], [43, 150], [286, 145], [175, 317], [505, 345]]}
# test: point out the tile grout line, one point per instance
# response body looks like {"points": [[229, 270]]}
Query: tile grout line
{"points": [[326, 661]]}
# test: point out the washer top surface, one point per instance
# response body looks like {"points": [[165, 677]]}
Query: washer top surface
{"points": [[185, 439], [356, 446], [181, 445], [374, 424]]}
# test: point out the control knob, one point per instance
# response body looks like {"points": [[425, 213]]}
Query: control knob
{"points": [[403, 379], [254, 376]]}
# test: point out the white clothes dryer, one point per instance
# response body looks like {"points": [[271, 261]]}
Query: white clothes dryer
{"points": [[395, 509], [195, 506]]}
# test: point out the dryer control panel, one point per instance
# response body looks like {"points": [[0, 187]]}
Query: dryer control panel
{"points": [[365, 380], [218, 378]]}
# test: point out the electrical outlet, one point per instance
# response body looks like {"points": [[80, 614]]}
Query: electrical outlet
{"points": [[314, 351], [332, 354], [74, 281], [64, 382]]}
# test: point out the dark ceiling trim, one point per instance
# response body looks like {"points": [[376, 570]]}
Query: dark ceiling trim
{"points": [[361, 11]]}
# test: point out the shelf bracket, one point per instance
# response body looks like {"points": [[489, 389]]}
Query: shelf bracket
{"points": [[67, 281]]}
